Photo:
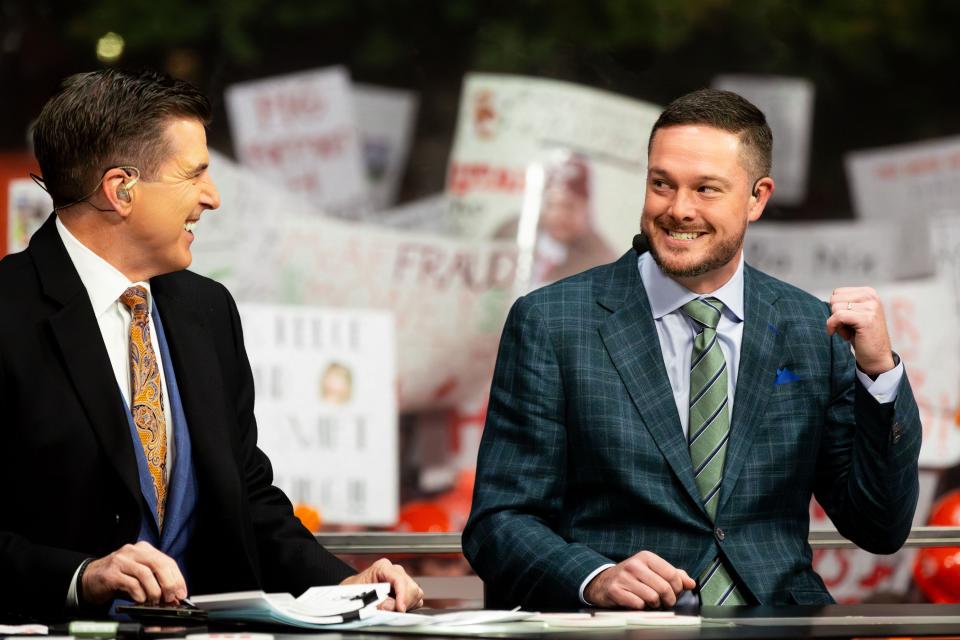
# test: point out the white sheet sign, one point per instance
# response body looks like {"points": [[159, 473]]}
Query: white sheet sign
{"points": [[327, 408], [385, 118], [788, 105], [300, 131], [28, 207]]}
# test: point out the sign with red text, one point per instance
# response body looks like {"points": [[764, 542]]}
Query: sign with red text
{"points": [[326, 407], [300, 132], [907, 181], [449, 296], [788, 105], [385, 118], [558, 168]]}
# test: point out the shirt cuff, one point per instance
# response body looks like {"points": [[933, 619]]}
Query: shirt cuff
{"points": [[590, 577], [73, 600], [884, 389]]}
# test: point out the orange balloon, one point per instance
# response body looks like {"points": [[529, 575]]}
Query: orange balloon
{"points": [[937, 569], [309, 517]]}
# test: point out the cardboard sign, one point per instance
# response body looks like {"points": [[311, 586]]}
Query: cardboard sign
{"points": [[907, 181], [28, 207], [299, 131], [385, 118], [788, 105], [326, 407], [557, 168]]}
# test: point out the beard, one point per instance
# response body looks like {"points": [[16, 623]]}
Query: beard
{"points": [[719, 255]]}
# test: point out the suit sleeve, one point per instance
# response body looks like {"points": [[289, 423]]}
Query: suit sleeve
{"points": [[291, 560], [867, 474], [510, 538]]}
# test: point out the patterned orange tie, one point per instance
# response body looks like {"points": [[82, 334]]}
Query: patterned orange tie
{"points": [[147, 394]]}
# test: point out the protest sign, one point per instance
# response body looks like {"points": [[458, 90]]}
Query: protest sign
{"points": [[300, 132], [449, 296], [385, 118], [326, 407], [558, 168], [28, 207], [788, 106], [907, 181]]}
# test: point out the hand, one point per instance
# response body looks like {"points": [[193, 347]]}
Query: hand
{"points": [[642, 581], [857, 316], [407, 594], [139, 571]]}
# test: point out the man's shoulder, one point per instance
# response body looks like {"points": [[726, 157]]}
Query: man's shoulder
{"points": [[17, 274], [583, 287], [192, 288]]}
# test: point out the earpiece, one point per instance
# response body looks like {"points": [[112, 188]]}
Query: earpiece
{"points": [[123, 194], [123, 191]]}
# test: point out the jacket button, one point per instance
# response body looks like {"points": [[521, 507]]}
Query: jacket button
{"points": [[895, 433], [719, 533]]}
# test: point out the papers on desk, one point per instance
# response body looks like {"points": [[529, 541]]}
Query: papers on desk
{"points": [[318, 607], [336, 607]]}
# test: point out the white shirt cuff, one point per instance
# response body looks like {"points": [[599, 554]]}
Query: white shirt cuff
{"points": [[590, 577], [73, 602], [885, 387]]}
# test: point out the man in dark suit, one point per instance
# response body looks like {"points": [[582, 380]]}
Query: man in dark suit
{"points": [[657, 426], [129, 466]]}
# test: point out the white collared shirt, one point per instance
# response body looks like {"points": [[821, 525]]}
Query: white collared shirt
{"points": [[104, 285]]}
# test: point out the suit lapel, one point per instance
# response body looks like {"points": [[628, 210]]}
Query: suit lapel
{"points": [[200, 384], [630, 337], [77, 334], [759, 353]]}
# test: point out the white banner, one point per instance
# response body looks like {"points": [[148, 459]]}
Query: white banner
{"points": [[788, 105], [558, 168], [299, 131], [428, 215], [825, 255], [385, 118], [327, 407], [907, 181], [449, 297]]}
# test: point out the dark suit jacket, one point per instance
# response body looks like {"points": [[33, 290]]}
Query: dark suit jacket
{"points": [[69, 488], [583, 459]]}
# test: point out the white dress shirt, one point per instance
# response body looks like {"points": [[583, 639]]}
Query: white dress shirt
{"points": [[104, 285], [676, 331]]}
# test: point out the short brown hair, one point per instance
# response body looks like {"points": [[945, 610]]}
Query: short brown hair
{"points": [[105, 119], [727, 111]]}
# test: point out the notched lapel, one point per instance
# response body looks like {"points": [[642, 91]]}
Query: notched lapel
{"points": [[759, 354], [630, 338]]}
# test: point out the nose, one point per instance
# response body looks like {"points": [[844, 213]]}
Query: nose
{"points": [[683, 206], [210, 198]]}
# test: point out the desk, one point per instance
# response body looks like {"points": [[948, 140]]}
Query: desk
{"points": [[834, 621]]}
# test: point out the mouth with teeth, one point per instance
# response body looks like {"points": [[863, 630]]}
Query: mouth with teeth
{"points": [[684, 235], [190, 225]]}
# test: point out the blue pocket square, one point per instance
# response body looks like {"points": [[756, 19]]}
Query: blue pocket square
{"points": [[785, 376]]}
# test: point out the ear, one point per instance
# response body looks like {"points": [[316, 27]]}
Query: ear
{"points": [[116, 189], [762, 190]]}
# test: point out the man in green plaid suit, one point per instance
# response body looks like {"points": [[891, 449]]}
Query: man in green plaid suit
{"points": [[657, 426]]}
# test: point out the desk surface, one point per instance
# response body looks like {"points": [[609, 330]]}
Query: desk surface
{"points": [[834, 621]]}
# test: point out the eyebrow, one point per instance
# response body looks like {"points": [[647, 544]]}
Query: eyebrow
{"points": [[200, 168], [702, 178]]}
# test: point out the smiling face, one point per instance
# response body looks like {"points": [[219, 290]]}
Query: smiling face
{"points": [[166, 207], [698, 203]]}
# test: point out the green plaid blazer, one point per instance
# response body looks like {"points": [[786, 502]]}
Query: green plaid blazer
{"points": [[583, 460]]}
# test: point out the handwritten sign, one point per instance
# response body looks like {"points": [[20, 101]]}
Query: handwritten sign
{"points": [[300, 131], [28, 207], [327, 408], [385, 118]]}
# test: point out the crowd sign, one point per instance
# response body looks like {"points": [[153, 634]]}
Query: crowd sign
{"points": [[907, 181], [326, 407], [557, 168], [28, 207], [449, 296], [300, 131], [385, 118], [788, 106], [826, 255]]}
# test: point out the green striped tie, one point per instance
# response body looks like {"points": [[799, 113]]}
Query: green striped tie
{"points": [[709, 430]]}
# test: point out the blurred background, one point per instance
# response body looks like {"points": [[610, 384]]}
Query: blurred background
{"points": [[394, 174]]}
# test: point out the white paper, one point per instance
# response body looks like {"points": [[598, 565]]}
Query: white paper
{"points": [[385, 118], [28, 207]]}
